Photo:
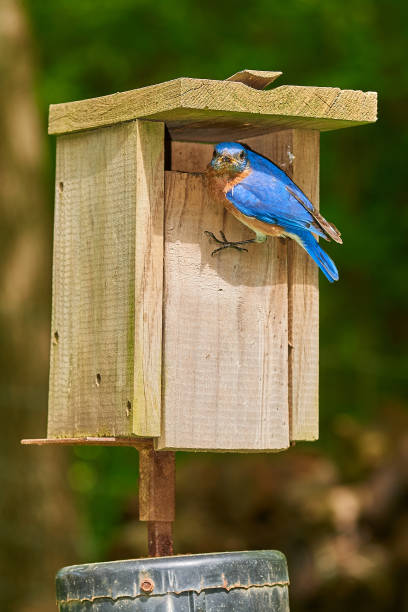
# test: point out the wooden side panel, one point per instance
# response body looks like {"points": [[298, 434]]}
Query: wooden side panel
{"points": [[148, 278], [304, 300], [99, 179], [225, 331], [297, 153]]}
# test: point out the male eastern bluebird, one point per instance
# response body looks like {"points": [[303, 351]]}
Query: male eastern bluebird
{"points": [[265, 199]]}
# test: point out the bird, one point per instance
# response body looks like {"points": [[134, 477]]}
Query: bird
{"points": [[265, 199]]}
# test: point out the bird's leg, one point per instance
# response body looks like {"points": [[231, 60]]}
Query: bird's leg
{"points": [[226, 244]]}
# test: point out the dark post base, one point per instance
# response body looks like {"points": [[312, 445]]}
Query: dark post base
{"points": [[248, 581], [157, 492], [160, 538]]}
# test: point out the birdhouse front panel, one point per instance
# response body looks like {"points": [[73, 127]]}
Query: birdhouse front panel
{"points": [[153, 335], [244, 336], [225, 333]]}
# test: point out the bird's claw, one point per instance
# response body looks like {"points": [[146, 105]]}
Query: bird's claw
{"points": [[226, 244]]}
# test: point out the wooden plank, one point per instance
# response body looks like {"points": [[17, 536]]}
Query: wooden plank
{"points": [[101, 182], [304, 299], [297, 153], [138, 443], [148, 278], [190, 157], [258, 79], [225, 331], [91, 377], [210, 111]]}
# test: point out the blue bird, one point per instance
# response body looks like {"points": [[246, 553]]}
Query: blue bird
{"points": [[265, 199]]}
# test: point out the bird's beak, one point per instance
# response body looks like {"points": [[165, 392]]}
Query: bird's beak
{"points": [[220, 161]]}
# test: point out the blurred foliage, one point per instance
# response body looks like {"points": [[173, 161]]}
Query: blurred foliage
{"points": [[310, 502]]}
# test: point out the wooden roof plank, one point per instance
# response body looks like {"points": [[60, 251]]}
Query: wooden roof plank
{"points": [[183, 102]]}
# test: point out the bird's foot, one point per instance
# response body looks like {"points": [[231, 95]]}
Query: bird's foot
{"points": [[226, 244]]}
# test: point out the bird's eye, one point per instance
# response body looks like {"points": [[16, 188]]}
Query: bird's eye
{"points": [[242, 155]]}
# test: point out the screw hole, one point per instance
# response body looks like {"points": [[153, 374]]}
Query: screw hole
{"points": [[98, 379], [56, 337], [61, 186], [128, 408], [147, 585]]}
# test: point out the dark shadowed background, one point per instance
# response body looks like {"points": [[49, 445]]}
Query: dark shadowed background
{"points": [[337, 508]]}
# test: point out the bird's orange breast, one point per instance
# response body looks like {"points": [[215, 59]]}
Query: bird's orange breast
{"points": [[215, 184], [235, 180], [219, 183]]}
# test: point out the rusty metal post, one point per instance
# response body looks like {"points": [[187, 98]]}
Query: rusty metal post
{"points": [[157, 475], [160, 538]]}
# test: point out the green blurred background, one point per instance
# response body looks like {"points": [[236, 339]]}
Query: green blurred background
{"points": [[337, 508]]}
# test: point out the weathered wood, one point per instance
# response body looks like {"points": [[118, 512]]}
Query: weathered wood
{"points": [[303, 288], [225, 330], [148, 278], [157, 474], [297, 153], [108, 196], [210, 111], [91, 383], [138, 443], [190, 157], [258, 79]]}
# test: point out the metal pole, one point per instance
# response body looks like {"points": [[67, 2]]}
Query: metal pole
{"points": [[157, 499]]}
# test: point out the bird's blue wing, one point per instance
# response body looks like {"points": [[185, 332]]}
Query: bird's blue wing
{"points": [[265, 166], [266, 172], [265, 197]]}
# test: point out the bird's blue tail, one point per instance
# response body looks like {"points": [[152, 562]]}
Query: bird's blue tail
{"points": [[325, 263]]}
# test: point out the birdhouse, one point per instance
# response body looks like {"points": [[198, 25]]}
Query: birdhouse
{"points": [[152, 336]]}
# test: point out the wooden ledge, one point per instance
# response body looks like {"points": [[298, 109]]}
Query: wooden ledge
{"points": [[206, 110], [139, 443]]}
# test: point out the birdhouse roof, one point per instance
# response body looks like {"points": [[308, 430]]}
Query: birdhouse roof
{"points": [[205, 110]]}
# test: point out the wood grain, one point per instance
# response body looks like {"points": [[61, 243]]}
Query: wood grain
{"points": [[209, 111], [148, 278], [137, 443], [303, 284], [103, 205], [297, 153], [190, 157], [258, 79], [224, 333]]}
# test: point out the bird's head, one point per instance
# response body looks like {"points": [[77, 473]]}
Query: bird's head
{"points": [[230, 157]]}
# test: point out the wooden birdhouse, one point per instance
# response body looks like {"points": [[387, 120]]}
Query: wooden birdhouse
{"points": [[152, 337]]}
